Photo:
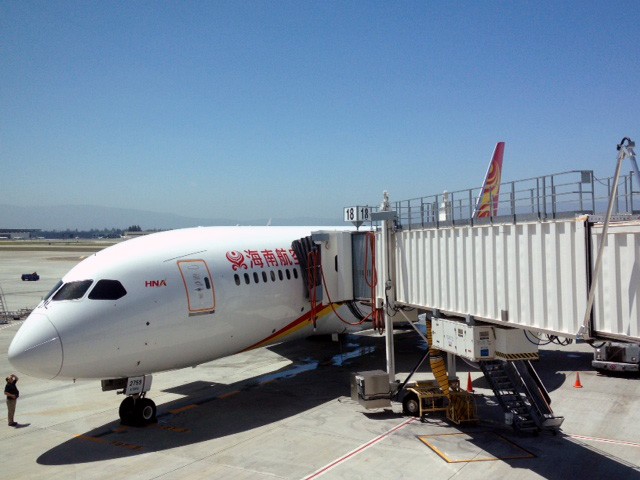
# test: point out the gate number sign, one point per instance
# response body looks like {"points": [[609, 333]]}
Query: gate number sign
{"points": [[357, 214]]}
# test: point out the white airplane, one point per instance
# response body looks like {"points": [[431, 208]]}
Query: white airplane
{"points": [[171, 300], [181, 298]]}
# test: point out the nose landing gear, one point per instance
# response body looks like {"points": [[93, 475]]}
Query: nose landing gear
{"points": [[137, 411]]}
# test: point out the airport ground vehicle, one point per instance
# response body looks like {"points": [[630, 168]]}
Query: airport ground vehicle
{"points": [[617, 357]]}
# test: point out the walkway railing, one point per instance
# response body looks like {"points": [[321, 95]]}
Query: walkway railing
{"points": [[559, 195]]}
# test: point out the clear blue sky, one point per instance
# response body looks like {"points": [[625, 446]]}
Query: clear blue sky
{"points": [[283, 109]]}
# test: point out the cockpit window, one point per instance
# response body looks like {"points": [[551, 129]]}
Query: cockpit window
{"points": [[107, 290], [72, 290], [53, 290]]}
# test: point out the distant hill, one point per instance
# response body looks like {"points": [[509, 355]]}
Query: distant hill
{"points": [[87, 217]]}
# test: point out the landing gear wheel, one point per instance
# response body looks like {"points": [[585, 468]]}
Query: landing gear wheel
{"points": [[410, 405], [145, 411], [127, 411], [137, 412]]}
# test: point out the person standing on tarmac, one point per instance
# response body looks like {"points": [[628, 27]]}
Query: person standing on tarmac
{"points": [[12, 394]]}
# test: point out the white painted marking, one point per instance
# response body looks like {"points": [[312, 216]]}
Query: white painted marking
{"points": [[360, 449], [605, 440]]}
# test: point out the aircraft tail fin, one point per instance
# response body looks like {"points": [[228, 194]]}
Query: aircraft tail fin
{"points": [[487, 205]]}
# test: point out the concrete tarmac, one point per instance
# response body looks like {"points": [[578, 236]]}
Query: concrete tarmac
{"points": [[285, 412]]}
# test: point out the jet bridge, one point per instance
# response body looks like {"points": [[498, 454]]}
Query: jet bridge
{"points": [[534, 275], [531, 266], [545, 262]]}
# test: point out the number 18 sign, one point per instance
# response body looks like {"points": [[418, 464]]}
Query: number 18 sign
{"points": [[357, 215]]}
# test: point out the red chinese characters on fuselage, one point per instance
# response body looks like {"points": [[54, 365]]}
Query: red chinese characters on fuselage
{"points": [[279, 257]]}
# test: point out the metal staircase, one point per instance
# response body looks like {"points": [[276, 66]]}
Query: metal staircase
{"points": [[521, 393], [4, 315]]}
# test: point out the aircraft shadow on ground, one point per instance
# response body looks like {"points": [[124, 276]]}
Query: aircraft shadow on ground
{"points": [[320, 372]]}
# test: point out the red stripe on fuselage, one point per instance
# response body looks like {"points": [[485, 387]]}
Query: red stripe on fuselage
{"points": [[293, 326]]}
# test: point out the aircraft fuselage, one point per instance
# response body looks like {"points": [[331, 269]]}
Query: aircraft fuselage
{"points": [[170, 300]]}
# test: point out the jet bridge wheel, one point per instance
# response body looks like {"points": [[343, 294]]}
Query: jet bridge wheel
{"points": [[137, 412], [410, 405]]}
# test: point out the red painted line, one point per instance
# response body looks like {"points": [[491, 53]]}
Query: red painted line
{"points": [[359, 450], [605, 440]]}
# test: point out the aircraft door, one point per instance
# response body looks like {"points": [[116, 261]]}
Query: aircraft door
{"points": [[198, 283]]}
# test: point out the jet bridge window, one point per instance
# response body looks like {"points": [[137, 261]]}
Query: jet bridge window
{"points": [[107, 290], [72, 290]]}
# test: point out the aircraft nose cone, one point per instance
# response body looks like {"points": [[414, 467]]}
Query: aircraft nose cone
{"points": [[36, 349]]}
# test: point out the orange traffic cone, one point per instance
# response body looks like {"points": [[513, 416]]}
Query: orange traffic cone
{"points": [[577, 384], [469, 384]]}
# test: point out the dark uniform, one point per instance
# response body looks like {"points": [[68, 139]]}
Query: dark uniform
{"points": [[12, 394]]}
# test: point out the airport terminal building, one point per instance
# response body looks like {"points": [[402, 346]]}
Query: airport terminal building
{"points": [[18, 234]]}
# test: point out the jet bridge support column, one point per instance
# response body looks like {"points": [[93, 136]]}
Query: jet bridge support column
{"points": [[386, 272]]}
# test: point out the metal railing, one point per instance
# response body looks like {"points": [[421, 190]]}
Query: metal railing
{"points": [[559, 195]]}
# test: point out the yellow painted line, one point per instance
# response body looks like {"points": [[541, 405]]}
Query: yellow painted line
{"points": [[227, 395], [189, 407], [527, 454], [114, 443], [183, 409], [437, 450], [169, 428], [90, 439]]}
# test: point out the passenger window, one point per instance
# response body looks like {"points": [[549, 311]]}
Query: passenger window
{"points": [[72, 290], [273, 276], [280, 275], [237, 279], [288, 274], [295, 272], [264, 277], [107, 290], [255, 277], [246, 279]]}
